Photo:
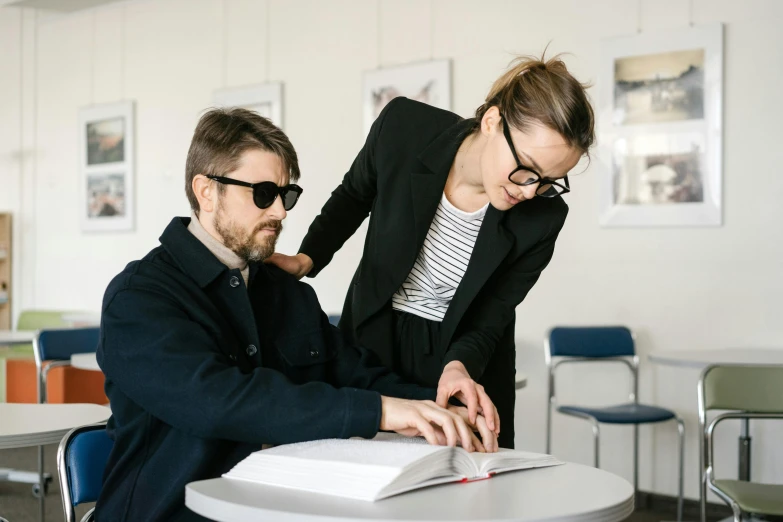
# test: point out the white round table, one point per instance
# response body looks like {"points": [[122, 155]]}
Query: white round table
{"points": [[23, 425], [9, 338], [700, 359], [571, 492], [85, 361]]}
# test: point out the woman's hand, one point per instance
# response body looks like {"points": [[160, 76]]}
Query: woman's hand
{"points": [[298, 265], [456, 382]]}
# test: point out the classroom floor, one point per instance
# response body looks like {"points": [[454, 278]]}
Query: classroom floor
{"points": [[17, 503]]}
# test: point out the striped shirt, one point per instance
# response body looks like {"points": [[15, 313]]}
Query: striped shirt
{"points": [[441, 264]]}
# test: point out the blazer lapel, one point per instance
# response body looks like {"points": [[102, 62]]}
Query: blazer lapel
{"points": [[492, 245], [427, 184]]}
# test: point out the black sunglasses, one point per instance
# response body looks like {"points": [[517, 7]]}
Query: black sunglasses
{"points": [[265, 193], [523, 176]]}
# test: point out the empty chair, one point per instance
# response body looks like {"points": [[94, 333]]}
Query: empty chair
{"points": [[748, 392], [601, 344], [81, 459]]}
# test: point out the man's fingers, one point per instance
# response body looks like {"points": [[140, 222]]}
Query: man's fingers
{"points": [[466, 434], [477, 445], [488, 436], [427, 431]]}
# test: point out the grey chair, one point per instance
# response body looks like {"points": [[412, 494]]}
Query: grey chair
{"points": [[747, 392]]}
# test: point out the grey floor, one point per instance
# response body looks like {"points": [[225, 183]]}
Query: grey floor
{"points": [[17, 503]]}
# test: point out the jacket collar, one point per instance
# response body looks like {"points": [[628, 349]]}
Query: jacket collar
{"points": [[194, 258], [439, 155]]}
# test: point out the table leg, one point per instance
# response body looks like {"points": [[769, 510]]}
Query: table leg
{"points": [[744, 451], [41, 484]]}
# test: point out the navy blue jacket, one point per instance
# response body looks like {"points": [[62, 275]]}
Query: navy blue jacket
{"points": [[201, 370]]}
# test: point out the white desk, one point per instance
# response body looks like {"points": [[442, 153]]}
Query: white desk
{"points": [[700, 359], [570, 492], [9, 338], [85, 361], [23, 425], [520, 381]]}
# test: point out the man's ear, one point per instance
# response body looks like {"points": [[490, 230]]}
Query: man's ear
{"points": [[205, 191]]}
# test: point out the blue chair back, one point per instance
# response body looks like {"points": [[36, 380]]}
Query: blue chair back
{"points": [[61, 344], [591, 342], [81, 459]]}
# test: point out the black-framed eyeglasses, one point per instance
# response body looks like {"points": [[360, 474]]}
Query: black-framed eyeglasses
{"points": [[265, 193], [524, 176]]}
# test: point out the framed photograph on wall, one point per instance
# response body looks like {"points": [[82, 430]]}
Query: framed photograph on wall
{"points": [[106, 145], [266, 99], [661, 128], [427, 82]]}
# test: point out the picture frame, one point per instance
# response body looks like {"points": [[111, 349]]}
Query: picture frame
{"points": [[661, 128], [265, 99], [107, 167], [428, 82]]}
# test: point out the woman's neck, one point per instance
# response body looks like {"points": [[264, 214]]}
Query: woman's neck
{"points": [[464, 186]]}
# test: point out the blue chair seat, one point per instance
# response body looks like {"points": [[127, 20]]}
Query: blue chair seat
{"points": [[622, 414]]}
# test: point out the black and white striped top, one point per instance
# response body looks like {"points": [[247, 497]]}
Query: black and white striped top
{"points": [[441, 264]]}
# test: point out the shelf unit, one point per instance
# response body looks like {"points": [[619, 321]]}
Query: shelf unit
{"points": [[5, 271]]}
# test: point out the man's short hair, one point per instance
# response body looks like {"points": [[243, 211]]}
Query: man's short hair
{"points": [[223, 135]]}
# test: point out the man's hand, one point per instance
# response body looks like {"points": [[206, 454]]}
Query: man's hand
{"points": [[298, 265], [438, 425], [456, 382], [488, 437]]}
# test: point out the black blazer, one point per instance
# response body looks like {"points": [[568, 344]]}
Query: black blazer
{"points": [[398, 179]]}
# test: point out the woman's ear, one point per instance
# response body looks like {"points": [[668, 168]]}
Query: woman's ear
{"points": [[490, 121], [205, 192]]}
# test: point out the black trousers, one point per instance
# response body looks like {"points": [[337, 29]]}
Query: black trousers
{"points": [[417, 358]]}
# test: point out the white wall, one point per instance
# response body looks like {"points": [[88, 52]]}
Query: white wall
{"points": [[680, 288]]}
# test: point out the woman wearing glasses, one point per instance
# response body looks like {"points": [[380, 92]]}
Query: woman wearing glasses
{"points": [[464, 214]]}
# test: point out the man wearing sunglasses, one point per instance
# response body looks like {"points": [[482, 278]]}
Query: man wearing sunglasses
{"points": [[209, 353]]}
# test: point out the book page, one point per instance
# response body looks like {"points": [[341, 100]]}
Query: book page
{"points": [[355, 451]]}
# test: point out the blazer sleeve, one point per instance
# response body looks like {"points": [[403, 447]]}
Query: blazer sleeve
{"points": [[168, 365], [485, 323], [349, 204]]}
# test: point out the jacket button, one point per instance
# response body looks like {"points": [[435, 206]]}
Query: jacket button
{"points": [[313, 353], [234, 281], [251, 350]]}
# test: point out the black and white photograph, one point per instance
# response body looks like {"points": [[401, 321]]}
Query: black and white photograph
{"points": [[659, 178], [659, 88]]}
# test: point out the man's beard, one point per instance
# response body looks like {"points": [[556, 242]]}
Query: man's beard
{"points": [[247, 246]]}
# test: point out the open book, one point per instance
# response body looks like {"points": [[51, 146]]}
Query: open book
{"points": [[375, 469]]}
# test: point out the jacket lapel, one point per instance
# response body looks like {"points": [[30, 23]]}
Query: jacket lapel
{"points": [[427, 184], [492, 245]]}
